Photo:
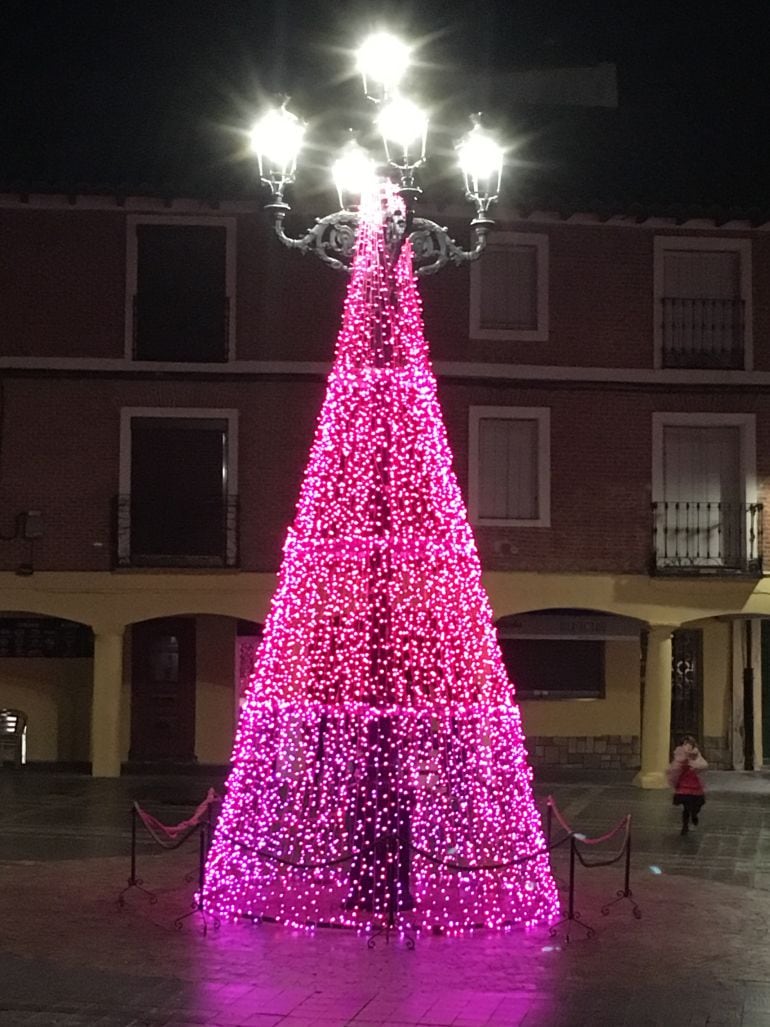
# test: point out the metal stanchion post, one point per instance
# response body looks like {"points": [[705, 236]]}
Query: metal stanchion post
{"points": [[625, 892], [197, 903], [572, 917], [133, 880], [560, 883]]}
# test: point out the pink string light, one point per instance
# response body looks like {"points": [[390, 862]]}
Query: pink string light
{"points": [[380, 746]]}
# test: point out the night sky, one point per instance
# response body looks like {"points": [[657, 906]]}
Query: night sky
{"points": [[157, 93]]}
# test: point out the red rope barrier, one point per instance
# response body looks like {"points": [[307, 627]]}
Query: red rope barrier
{"points": [[610, 834], [587, 841]]}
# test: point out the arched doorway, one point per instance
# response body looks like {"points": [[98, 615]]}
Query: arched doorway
{"points": [[577, 678], [185, 675], [46, 670]]}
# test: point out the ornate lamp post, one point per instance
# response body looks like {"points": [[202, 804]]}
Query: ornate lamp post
{"points": [[380, 778], [277, 140], [381, 874]]}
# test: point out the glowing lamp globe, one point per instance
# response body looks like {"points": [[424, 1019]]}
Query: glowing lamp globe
{"points": [[481, 162], [403, 124], [383, 58], [277, 139], [353, 173]]}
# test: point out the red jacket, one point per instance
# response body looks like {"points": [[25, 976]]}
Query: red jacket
{"points": [[689, 782]]}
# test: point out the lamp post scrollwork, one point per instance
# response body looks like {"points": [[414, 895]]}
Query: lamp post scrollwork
{"points": [[277, 140]]}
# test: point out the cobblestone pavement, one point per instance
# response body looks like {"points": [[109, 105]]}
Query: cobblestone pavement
{"points": [[699, 955]]}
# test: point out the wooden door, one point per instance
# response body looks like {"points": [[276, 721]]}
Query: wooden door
{"points": [[163, 689]]}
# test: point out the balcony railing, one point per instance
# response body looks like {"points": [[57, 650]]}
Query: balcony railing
{"points": [[705, 333], [193, 532], [707, 538]]}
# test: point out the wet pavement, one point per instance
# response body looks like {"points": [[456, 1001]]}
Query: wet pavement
{"points": [[699, 955]]}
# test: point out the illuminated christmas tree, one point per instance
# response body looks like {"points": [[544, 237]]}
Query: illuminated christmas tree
{"points": [[379, 773]]}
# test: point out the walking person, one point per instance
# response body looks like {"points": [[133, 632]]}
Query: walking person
{"points": [[684, 776]]}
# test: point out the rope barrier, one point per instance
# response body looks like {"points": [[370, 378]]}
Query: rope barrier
{"points": [[264, 854], [437, 861], [171, 836], [572, 918], [623, 823], [488, 866], [550, 801]]}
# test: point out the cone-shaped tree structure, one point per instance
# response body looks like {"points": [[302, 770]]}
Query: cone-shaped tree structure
{"points": [[379, 772]]}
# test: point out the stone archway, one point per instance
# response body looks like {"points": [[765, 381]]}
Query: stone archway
{"points": [[46, 667], [182, 681], [577, 673]]}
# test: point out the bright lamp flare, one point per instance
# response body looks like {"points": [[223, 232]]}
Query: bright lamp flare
{"points": [[353, 172], [402, 122], [277, 139], [481, 160], [379, 774], [383, 58]]}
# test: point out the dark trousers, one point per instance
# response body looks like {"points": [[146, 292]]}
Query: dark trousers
{"points": [[691, 807]]}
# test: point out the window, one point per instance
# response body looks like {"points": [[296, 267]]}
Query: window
{"points": [[510, 466], [178, 501], [180, 289], [704, 492], [554, 668], [509, 289], [703, 303]]}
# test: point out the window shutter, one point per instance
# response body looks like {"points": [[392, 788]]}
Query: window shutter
{"points": [[181, 305], [508, 469], [509, 288], [702, 274]]}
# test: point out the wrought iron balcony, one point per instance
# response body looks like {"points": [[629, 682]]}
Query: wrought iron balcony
{"points": [[707, 538], [704, 333], [193, 532]]}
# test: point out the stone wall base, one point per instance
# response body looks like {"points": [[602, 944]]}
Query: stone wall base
{"points": [[599, 752], [716, 750], [611, 752]]}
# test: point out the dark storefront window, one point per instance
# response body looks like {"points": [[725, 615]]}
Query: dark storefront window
{"points": [[555, 668]]}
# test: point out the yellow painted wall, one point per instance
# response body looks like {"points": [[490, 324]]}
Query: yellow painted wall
{"points": [[56, 696], [108, 601], [616, 714], [215, 695]]}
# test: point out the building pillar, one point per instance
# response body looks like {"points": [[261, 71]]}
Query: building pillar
{"points": [[656, 709], [105, 704]]}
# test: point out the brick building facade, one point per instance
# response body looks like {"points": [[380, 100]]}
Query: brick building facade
{"points": [[604, 384]]}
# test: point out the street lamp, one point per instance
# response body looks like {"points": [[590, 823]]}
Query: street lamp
{"points": [[277, 139], [382, 59]]}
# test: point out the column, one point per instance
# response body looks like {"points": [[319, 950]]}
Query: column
{"points": [[105, 704], [656, 709]]}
